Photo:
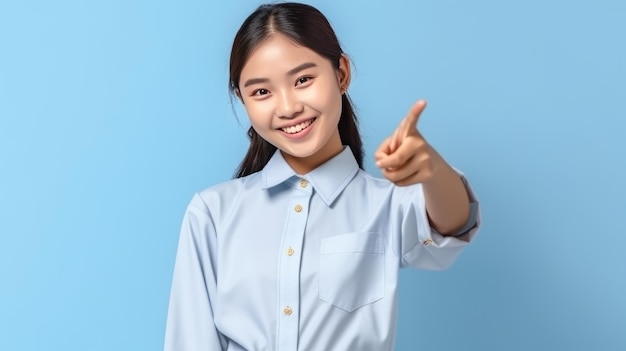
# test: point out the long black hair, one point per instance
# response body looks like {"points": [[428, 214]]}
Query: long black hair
{"points": [[306, 26]]}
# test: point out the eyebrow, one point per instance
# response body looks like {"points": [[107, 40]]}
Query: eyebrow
{"points": [[291, 72]]}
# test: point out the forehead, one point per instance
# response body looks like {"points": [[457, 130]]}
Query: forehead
{"points": [[277, 55]]}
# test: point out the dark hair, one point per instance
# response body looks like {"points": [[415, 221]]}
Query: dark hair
{"points": [[306, 26]]}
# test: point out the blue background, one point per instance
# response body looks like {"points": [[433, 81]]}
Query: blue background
{"points": [[113, 113]]}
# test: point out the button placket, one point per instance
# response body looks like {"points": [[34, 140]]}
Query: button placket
{"points": [[289, 266]]}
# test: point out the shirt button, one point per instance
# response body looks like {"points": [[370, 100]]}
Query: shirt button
{"points": [[427, 242], [287, 310], [298, 208], [304, 183], [290, 251]]}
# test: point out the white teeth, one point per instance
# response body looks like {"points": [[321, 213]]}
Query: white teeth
{"points": [[297, 128]]}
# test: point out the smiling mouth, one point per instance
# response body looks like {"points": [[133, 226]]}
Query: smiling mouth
{"points": [[298, 127]]}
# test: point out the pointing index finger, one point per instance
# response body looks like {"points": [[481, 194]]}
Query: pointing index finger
{"points": [[413, 116]]}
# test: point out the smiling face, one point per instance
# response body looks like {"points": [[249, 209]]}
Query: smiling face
{"points": [[293, 98]]}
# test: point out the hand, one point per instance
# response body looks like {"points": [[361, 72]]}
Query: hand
{"points": [[405, 158]]}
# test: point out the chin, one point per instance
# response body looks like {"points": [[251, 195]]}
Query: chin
{"points": [[299, 153]]}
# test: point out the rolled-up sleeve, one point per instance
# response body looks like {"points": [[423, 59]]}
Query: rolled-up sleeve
{"points": [[424, 247], [190, 322]]}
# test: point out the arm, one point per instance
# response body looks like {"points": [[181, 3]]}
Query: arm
{"points": [[406, 158], [190, 323], [447, 203]]}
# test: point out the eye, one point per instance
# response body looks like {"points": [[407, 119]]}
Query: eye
{"points": [[303, 80], [260, 92]]}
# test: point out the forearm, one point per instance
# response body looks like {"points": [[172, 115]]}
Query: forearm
{"points": [[447, 202]]}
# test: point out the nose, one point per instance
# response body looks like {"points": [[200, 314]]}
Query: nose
{"points": [[288, 105]]}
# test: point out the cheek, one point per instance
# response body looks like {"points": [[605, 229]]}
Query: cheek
{"points": [[257, 113], [335, 104], [326, 100]]}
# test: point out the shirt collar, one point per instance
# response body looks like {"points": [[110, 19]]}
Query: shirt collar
{"points": [[328, 179]]}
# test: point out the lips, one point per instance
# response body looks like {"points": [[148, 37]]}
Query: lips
{"points": [[298, 127]]}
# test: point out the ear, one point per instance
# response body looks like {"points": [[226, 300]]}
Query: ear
{"points": [[343, 73]]}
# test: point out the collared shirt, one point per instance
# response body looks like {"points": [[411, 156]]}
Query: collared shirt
{"points": [[280, 261]]}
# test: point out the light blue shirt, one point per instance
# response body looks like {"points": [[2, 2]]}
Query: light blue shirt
{"points": [[280, 261]]}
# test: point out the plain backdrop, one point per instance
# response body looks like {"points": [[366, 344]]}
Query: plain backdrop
{"points": [[113, 113]]}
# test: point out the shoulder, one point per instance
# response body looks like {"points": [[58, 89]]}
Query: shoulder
{"points": [[220, 196], [381, 184], [371, 180], [382, 191]]}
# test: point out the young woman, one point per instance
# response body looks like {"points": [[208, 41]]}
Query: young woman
{"points": [[302, 250]]}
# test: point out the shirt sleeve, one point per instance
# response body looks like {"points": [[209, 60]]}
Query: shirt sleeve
{"points": [[190, 323], [425, 248]]}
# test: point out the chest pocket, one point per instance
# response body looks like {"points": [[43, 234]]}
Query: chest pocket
{"points": [[352, 271]]}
